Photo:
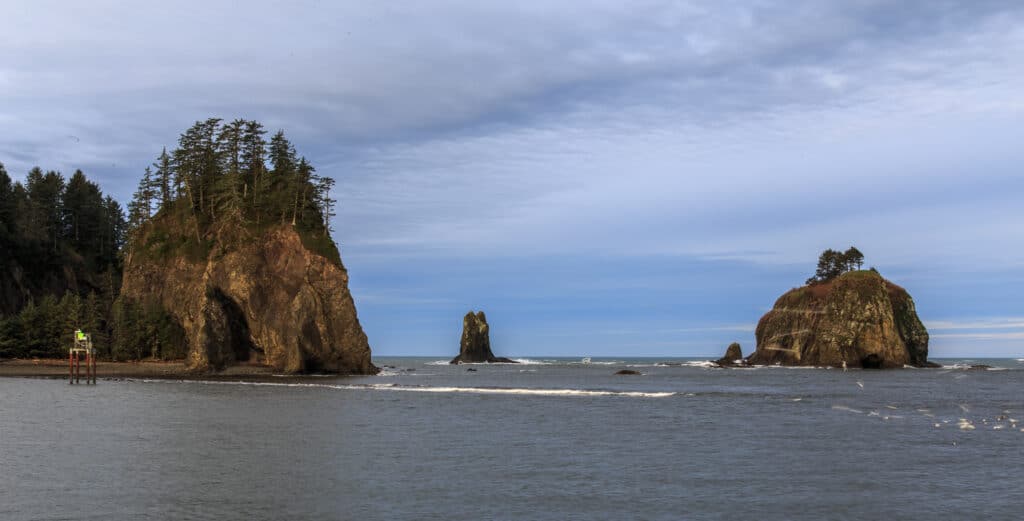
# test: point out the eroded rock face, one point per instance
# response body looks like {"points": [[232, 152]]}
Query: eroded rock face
{"points": [[267, 299], [859, 319], [475, 346]]}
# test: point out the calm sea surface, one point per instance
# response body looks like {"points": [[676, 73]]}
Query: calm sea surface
{"points": [[550, 439]]}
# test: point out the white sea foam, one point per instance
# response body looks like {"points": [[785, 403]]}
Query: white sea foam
{"points": [[522, 361], [700, 363], [521, 391], [426, 389], [845, 408], [964, 366], [530, 361]]}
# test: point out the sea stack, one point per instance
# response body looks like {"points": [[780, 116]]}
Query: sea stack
{"points": [[856, 319], [733, 354], [266, 298], [475, 346]]}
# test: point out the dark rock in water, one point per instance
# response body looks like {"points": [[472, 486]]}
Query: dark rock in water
{"points": [[732, 354], [627, 371], [470, 369], [475, 346], [858, 319]]}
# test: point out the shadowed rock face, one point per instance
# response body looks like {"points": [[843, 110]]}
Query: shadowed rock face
{"points": [[859, 319], [266, 299], [475, 346]]}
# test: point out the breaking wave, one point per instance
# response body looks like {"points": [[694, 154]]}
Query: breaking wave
{"points": [[520, 361], [426, 389]]}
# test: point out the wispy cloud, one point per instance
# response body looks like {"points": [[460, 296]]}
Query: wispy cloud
{"points": [[982, 323]]}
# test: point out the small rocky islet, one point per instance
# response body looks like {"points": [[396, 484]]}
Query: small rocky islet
{"points": [[854, 318], [475, 345]]}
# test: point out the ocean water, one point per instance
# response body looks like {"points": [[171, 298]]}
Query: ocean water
{"points": [[543, 440]]}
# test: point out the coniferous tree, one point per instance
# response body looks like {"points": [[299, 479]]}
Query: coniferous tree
{"points": [[325, 204], [69, 319], [92, 321], [7, 209], [12, 341], [45, 206], [253, 162], [113, 231], [854, 258], [140, 208], [164, 179], [833, 263]]}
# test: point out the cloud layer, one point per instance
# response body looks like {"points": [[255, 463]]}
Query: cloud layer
{"points": [[592, 142]]}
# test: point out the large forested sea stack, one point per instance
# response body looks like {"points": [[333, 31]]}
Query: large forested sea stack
{"points": [[230, 243], [843, 317]]}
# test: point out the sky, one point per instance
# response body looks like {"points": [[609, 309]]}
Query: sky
{"points": [[637, 178]]}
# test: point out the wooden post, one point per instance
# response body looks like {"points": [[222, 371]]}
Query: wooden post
{"points": [[88, 367], [78, 367], [71, 366], [93, 366]]}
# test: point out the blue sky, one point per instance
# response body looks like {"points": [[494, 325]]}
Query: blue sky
{"points": [[602, 178]]}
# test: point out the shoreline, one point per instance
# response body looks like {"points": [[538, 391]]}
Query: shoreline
{"points": [[57, 369]]}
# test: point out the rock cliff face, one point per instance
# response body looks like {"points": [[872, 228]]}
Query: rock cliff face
{"points": [[265, 299], [858, 318], [475, 346]]}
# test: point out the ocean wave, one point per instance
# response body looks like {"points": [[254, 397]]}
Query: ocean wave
{"points": [[963, 367], [700, 363], [520, 361], [530, 361], [845, 408], [426, 389]]}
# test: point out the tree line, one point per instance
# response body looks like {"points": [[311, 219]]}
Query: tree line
{"points": [[48, 218], [60, 264], [227, 173], [120, 330], [833, 263]]}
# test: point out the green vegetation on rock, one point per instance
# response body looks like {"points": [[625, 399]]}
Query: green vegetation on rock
{"points": [[224, 182]]}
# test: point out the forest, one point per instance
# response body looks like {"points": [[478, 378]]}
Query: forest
{"points": [[63, 243]]}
